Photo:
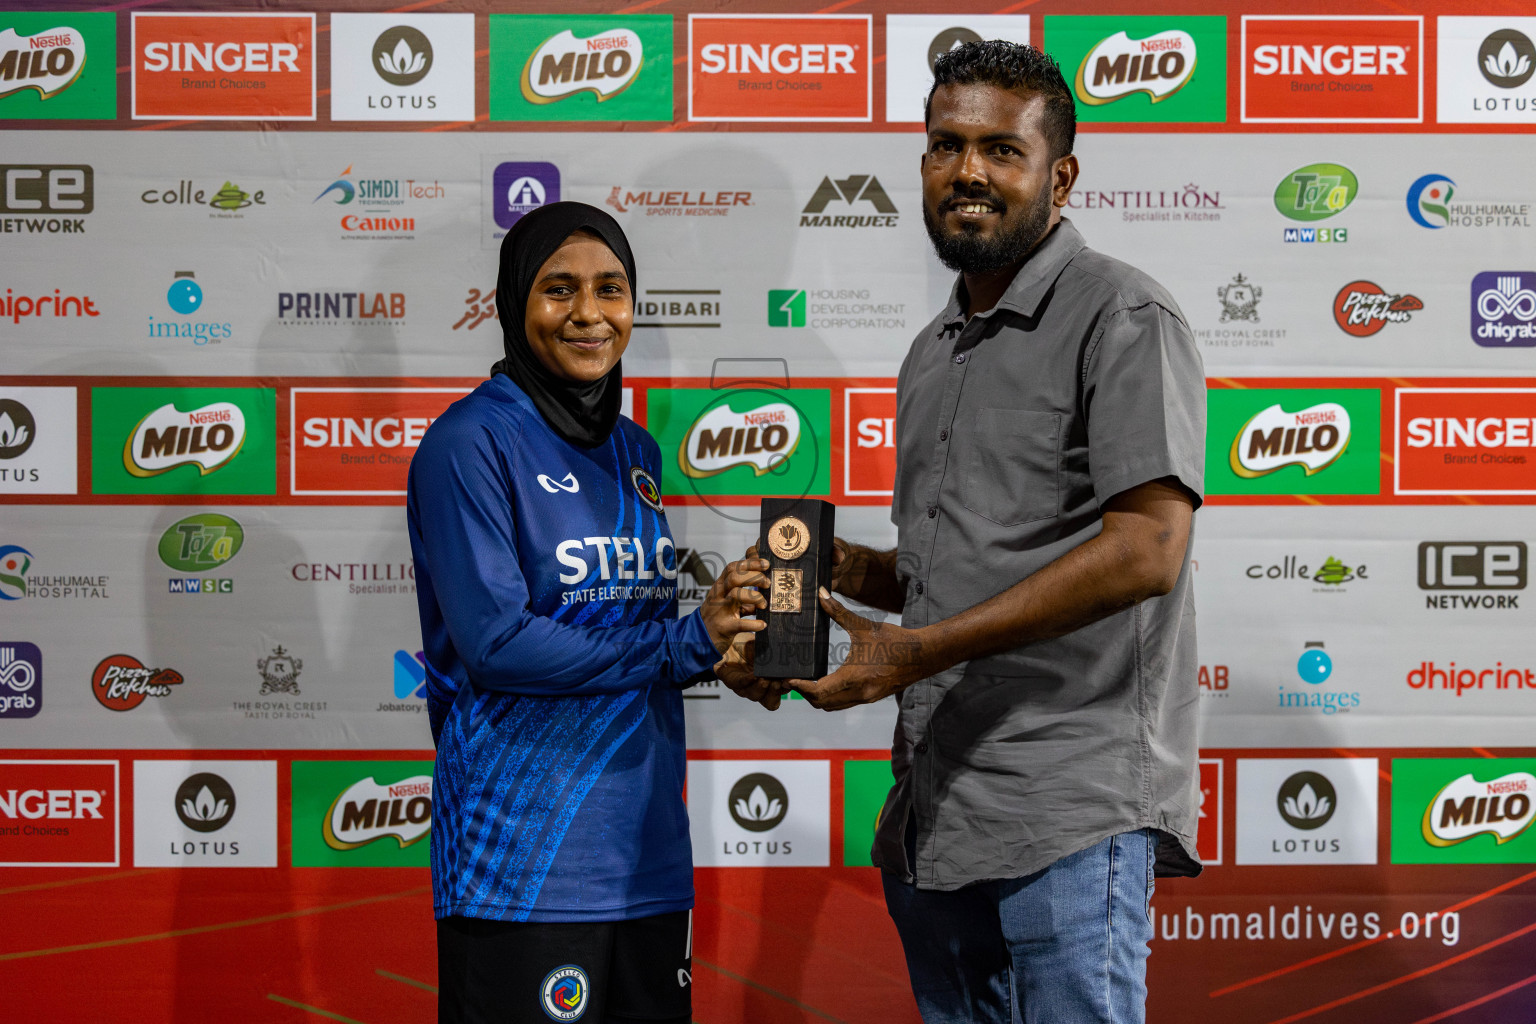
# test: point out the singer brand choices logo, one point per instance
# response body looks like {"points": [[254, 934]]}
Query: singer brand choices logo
{"points": [[581, 67], [58, 814], [1293, 441], [184, 440], [355, 441], [1320, 68], [361, 813], [757, 67], [1143, 68], [1465, 441], [744, 442], [233, 67], [58, 67], [1464, 811]]}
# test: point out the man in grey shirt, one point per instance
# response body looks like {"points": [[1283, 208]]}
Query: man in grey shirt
{"points": [[1050, 435]]}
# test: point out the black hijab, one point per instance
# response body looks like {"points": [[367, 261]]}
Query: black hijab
{"points": [[583, 414]]}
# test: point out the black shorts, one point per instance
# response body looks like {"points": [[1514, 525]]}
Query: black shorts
{"points": [[603, 972]]}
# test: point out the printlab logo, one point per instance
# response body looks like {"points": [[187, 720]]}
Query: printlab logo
{"points": [[1363, 308], [21, 680], [205, 802], [402, 55], [1239, 300], [758, 802], [1507, 58], [1307, 800], [851, 191], [1503, 309], [279, 672], [18, 428], [517, 189], [14, 564]]}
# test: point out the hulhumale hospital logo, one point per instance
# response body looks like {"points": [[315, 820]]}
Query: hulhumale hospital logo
{"points": [[1429, 201]]}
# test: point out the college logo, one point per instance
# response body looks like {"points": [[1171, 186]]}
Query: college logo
{"points": [[205, 802], [564, 992], [1465, 441], [183, 440], [1504, 309], [1485, 70], [227, 200], [366, 812], [354, 441], [760, 813], [242, 67], [1470, 810], [518, 189], [21, 679], [121, 682], [32, 191], [1143, 68], [37, 441], [1316, 192], [1320, 68], [581, 67], [914, 41], [853, 190], [402, 67], [786, 307], [1320, 811], [58, 814], [750, 67], [1327, 445], [279, 672], [1331, 575], [1362, 308], [44, 70]]}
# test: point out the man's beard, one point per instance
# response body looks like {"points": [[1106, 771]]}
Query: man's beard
{"points": [[968, 252]]}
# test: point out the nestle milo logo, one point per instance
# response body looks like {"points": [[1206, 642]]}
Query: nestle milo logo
{"points": [[1312, 438], [760, 437], [1466, 808], [1159, 65], [207, 437], [367, 811], [1316, 191], [563, 65], [47, 61], [201, 542]]}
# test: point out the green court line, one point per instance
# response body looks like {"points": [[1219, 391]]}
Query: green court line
{"points": [[311, 1009], [791, 1000], [403, 979]]}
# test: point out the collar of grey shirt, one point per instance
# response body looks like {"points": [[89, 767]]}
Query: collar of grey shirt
{"points": [[1033, 280]]}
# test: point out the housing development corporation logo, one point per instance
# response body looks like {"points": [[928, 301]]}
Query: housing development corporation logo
{"points": [[255, 66], [1504, 309], [21, 679], [1362, 308], [1486, 69], [581, 67], [402, 67], [1463, 811], [752, 67], [1322, 68], [58, 66], [1143, 68]]}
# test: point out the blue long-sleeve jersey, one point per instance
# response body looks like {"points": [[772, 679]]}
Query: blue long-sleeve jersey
{"points": [[546, 581]]}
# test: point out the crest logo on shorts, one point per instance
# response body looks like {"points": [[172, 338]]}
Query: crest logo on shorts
{"points": [[564, 993]]}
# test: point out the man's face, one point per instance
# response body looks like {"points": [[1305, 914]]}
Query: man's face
{"points": [[990, 188]]}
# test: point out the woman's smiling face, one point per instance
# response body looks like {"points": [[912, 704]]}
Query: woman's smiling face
{"points": [[580, 310]]}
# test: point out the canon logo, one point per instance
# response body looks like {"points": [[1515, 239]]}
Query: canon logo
{"points": [[221, 57], [785, 58], [1333, 60], [51, 803]]}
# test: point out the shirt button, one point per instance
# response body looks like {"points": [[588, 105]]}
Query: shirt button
{"points": [[922, 748], [919, 586], [933, 510], [960, 358], [943, 435]]}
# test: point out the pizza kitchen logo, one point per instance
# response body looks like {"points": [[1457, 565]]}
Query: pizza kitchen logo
{"points": [[1312, 438], [207, 437], [722, 438], [121, 682], [1363, 308]]}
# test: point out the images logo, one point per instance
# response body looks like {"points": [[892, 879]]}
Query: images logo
{"points": [[185, 296], [1316, 192], [367, 811], [1430, 197], [564, 993], [1315, 668], [1504, 308], [581, 67], [18, 428], [402, 55], [857, 188], [1507, 58], [1330, 69], [1465, 441], [786, 307], [1470, 810], [1143, 68], [121, 682], [205, 802], [45, 70], [750, 67], [1362, 308], [239, 68], [1329, 445], [14, 564], [21, 679]]}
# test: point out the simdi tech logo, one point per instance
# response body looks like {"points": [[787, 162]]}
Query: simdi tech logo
{"points": [[744, 442], [1359, 69], [914, 41], [58, 66], [227, 67], [1461, 441], [361, 813], [1148, 68], [402, 67], [1293, 441], [780, 67], [183, 440], [581, 67], [1471, 810], [1486, 70]]}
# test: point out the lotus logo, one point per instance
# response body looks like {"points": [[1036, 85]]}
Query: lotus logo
{"points": [[762, 437], [1501, 808], [1313, 438], [563, 65], [402, 55], [1507, 58], [1120, 66], [1307, 800], [207, 437], [205, 802], [17, 428], [758, 802], [48, 61]]}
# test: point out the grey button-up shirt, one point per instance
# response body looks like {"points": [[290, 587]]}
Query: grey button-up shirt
{"points": [[1012, 431]]}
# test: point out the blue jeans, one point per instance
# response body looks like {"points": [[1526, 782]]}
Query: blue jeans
{"points": [[1067, 945]]}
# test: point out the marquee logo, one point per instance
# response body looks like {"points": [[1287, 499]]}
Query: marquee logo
{"points": [[207, 437], [367, 812], [1324, 68], [604, 65], [1312, 438], [238, 67], [1504, 309], [1120, 66], [121, 682], [48, 62], [581, 67], [760, 437], [852, 190], [1362, 308], [1501, 807], [751, 67]]}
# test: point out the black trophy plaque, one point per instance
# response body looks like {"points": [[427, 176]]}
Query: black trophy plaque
{"points": [[796, 539]]}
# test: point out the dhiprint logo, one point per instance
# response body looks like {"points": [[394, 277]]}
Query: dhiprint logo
{"points": [[121, 682], [207, 437], [1507, 58], [402, 55], [366, 812], [1307, 800], [1504, 309], [1362, 308], [18, 428], [564, 993], [21, 679], [205, 802], [852, 190], [1429, 201], [758, 802], [1313, 438], [568, 483]]}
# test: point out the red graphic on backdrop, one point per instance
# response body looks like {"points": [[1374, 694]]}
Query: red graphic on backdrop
{"points": [[359, 441], [1363, 307], [1332, 68], [58, 814], [755, 67], [1208, 842], [1466, 441], [869, 441], [228, 66]]}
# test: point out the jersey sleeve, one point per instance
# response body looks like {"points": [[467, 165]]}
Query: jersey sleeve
{"points": [[462, 511]]}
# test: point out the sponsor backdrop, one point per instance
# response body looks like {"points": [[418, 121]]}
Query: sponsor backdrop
{"points": [[251, 254]]}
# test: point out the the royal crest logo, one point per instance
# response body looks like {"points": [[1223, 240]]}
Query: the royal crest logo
{"points": [[121, 682], [563, 65], [1120, 66], [1312, 438], [279, 672], [1362, 308], [1239, 300], [367, 811], [564, 993], [760, 437], [49, 61], [1466, 808], [207, 437]]}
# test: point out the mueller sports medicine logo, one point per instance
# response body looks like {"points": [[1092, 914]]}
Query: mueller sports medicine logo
{"points": [[238, 67], [1504, 309], [1462, 572], [1312, 438], [356, 441], [1503, 808], [604, 64], [207, 437], [367, 812], [121, 682], [1332, 69], [760, 437], [848, 193], [48, 62], [1119, 66], [1362, 308], [50, 199], [676, 203], [1465, 441], [750, 67]]}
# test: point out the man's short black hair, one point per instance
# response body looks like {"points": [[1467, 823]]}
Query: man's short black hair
{"points": [[1016, 67]]}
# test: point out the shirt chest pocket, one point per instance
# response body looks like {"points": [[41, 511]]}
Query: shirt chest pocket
{"points": [[1011, 473]]}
